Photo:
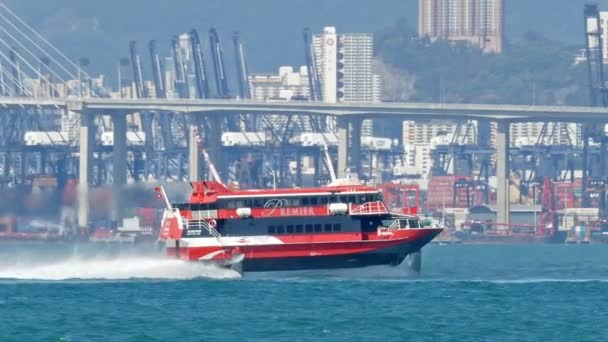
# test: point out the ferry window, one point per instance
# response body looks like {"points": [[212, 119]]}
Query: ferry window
{"points": [[241, 203], [280, 229], [413, 223], [343, 199], [305, 201], [271, 229], [309, 228], [299, 228], [182, 206], [337, 227], [352, 199], [318, 228], [258, 203], [323, 200], [231, 204], [295, 202], [290, 228], [387, 223], [327, 228], [314, 200]]}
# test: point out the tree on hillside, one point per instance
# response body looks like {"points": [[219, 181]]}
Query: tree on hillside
{"points": [[532, 70]]}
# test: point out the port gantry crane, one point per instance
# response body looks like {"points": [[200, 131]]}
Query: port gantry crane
{"points": [[594, 174]]}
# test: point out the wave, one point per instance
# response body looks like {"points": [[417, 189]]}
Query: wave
{"points": [[544, 280], [497, 281], [114, 269]]}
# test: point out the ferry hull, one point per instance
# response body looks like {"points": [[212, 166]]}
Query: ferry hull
{"points": [[392, 257], [291, 257]]}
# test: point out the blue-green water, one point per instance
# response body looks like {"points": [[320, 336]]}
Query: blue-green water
{"points": [[466, 293]]}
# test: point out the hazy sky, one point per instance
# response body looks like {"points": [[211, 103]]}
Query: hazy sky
{"points": [[271, 29]]}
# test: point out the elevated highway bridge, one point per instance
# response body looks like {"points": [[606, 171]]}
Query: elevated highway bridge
{"points": [[347, 115]]}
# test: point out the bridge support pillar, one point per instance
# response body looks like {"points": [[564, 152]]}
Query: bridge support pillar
{"points": [[194, 154], [87, 144], [355, 146], [119, 165], [502, 173], [342, 127]]}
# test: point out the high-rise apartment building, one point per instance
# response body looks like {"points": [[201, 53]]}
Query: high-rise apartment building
{"points": [[285, 85], [344, 64], [604, 33], [478, 22]]}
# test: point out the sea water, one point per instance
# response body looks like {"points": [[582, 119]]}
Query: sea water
{"points": [[465, 293]]}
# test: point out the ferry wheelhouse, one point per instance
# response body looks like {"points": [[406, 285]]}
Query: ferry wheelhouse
{"points": [[339, 226]]}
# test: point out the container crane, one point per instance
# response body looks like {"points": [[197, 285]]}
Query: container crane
{"points": [[313, 76], [202, 83], [598, 97], [157, 71], [181, 86], [141, 91], [161, 93], [217, 54], [241, 66]]}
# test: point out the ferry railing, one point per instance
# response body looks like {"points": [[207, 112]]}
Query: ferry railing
{"points": [[368, 208], [403, 224], [203, 224], [395, 225]]}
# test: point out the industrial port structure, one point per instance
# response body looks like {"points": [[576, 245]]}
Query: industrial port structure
{"points": [[151, 134]]}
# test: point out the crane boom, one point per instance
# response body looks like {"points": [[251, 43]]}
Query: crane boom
{"points": [[140, 89], [157, 71], [141, 92], [202, 84], [161, 93], [313, 76], [241, 66], [330, 165], [180, 69], [217, 54]]}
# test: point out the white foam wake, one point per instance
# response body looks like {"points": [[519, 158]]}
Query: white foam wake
{"points": [[114, 269]]}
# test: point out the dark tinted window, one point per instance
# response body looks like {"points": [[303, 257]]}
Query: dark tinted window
{"points": [[182, 206], [280, 229], [299, 228], [327, 228], [272, 230], [305, 201], [309, 228], [318, 228], [290, 228], [323, 200], [336, 227], [314, 200]]}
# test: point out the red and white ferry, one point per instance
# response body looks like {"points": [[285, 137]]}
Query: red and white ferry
{"points": [[338, 226]]}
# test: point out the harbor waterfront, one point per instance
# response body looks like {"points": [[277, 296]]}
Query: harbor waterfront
{"points": [[500, 292]]}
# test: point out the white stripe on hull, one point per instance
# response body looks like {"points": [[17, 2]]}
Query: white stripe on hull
{"points": [[230, 241]]}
